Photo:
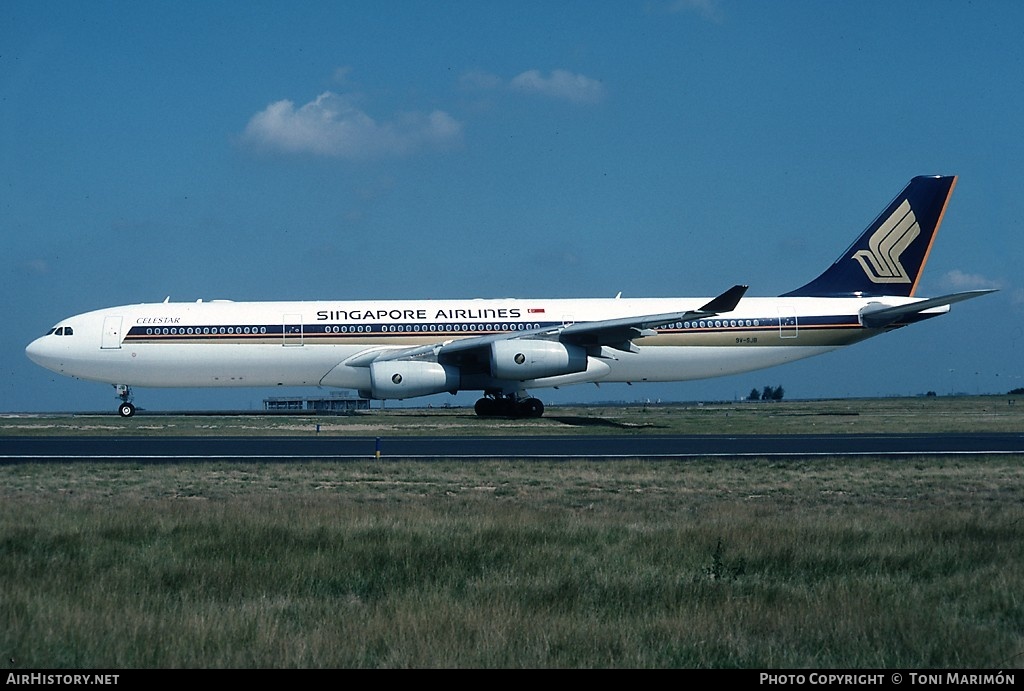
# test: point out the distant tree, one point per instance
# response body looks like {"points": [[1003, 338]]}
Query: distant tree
{"points": [[1017, 392], [931, 394], [778, 393], [766, 394], [754, 395]]}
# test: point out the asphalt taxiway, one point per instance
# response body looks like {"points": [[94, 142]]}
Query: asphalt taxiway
{"points": [[157, 449]]}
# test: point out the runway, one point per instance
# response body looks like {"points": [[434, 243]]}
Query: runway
{"points": [[21, 449]]}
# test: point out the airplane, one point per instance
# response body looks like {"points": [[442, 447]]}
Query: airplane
{"points": [[400, 349]]}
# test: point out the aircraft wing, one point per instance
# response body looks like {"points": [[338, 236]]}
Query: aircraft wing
{"points": [[614, 333], [618, 333], [877, 315]]}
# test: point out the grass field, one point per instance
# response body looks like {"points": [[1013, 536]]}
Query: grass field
{"points": [[834, 563]]}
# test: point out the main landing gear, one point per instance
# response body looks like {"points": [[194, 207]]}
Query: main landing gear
{"points": [[508, 405], [126, 409]]}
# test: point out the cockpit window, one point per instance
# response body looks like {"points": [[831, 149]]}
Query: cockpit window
{"points": [[68, 331], [61, 331]]}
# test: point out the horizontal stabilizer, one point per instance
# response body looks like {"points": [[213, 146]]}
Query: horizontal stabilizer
{"points": [[876, 315]]}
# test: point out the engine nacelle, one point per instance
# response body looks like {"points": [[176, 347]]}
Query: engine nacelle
{"points": [[409, 378], [522, 359]]}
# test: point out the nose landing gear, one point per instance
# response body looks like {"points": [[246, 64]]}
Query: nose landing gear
{"points": [[126, 409]]}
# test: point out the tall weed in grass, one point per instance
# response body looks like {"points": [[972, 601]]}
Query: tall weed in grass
{"points": [[698, 564]]}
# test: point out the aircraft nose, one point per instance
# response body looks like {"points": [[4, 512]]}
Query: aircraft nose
{"points": [[40, 351], [34, 350]]}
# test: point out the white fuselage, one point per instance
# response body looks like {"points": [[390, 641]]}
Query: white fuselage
{"points": [[328, 343]]}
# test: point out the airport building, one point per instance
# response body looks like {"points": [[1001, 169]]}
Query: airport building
{"points": [[337, 404]]}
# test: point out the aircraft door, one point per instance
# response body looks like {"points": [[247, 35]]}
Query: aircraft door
{"points": [[111, 333], [788, 326], [292, 330]]}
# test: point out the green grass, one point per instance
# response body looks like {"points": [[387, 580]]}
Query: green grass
{"points": [[832, 563]]}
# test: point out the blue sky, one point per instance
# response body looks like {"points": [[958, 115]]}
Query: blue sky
{"points": [[259, 151]]}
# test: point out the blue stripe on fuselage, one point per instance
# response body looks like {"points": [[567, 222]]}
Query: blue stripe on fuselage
{"points": [[211, 333]]}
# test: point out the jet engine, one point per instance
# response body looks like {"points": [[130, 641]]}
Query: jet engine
{"points": [[523, 359], [410, 378]]}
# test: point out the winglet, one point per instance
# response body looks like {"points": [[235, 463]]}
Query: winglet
{"points": [[727, 301]]}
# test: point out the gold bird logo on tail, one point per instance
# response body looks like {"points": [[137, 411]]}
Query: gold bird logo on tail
{"points": [[881, 263]]}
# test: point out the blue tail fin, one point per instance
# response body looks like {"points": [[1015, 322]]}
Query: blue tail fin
{"points": [[888, 257]]}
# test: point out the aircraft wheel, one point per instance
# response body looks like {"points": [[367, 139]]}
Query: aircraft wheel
{"points": [[485, 407], [126, 410], [531, 407]]}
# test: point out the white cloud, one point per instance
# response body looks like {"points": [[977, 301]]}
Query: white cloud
{"points": [[562, 84], [332, 126], [959, 280]]}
